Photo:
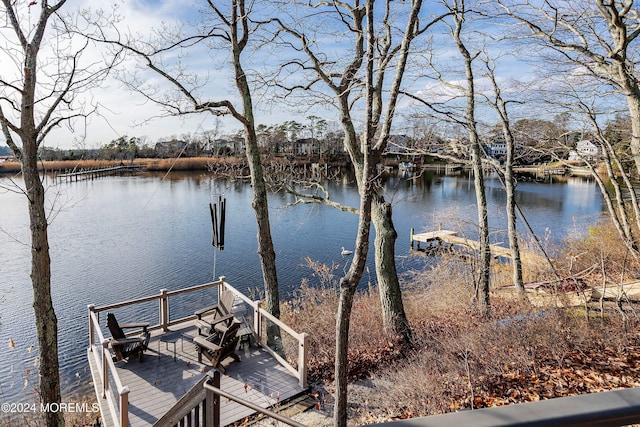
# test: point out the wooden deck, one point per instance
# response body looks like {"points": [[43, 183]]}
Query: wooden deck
{"points": [[541, 296], [158, 382], [452, 238]]}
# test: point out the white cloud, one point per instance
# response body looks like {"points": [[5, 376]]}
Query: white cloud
{"points": [[121, 111]]}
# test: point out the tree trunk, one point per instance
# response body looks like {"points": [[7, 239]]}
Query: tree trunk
{"points": [[481, 296], [510, 189], [393, 315], [348, 286], [259, 203], [484, 267], [45, 317], [265, 243], [343, 320], [633, 103]]}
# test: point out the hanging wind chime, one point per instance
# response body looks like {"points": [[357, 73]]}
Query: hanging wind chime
{"points": [[217, 210]]}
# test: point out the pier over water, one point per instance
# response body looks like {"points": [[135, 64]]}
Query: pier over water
{"points": [[97, 173]]}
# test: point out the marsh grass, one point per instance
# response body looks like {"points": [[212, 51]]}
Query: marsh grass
{"points": [[221, 165], [62, 165], [176, 164]]}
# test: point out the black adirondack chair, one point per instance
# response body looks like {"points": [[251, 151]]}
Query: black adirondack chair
{"points": [[124, 346]]}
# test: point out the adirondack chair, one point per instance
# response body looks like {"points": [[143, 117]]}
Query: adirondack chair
{"points": [[221, 314], [124, 346], [219, 346]]}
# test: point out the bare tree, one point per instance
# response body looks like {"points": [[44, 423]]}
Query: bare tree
{"points": [[363, 78], [342, 82], [500, 105], [41, 79], [209, 136], [459, 15], [619, 193], [228, 30], [593, 45], [598, 37]]}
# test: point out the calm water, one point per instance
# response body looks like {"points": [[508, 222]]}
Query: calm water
{"points": [[118, 238]]}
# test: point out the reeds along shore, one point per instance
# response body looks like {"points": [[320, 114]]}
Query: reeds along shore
{"points": [[189, 163]]}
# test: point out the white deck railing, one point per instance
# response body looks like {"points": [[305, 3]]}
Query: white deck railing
{"points": [[99, 345], [108, 373], [260, 318]]}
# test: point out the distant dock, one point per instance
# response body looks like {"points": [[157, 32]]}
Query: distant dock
{"points": [[452, 238], [96, 173]]}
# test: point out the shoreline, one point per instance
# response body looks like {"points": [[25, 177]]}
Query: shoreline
{"points": [[234, 165], [213, 164]]}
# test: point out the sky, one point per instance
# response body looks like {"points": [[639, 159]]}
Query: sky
{"points": [[121, 111], [125, 112]]}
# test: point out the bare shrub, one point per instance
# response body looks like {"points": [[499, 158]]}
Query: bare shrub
{"points": [[460, 359], [600, 247], [479, 364], [444, 287], [313, 309]]}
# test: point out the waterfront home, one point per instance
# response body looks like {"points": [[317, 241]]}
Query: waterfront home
{"points": [[586, 150]]}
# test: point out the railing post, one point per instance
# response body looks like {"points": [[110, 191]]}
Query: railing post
{"points": [[216, 401], [212, 408], [302, 359], [257, 322], [164, 310], [219, 291], [105, 368], [90, 307], [124, 407]]}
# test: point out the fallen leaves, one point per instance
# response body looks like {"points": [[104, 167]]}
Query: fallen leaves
{"points": [[361, 361], [581, 372]]}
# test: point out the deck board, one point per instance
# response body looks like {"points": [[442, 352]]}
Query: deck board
{"points": [[158, 382]]}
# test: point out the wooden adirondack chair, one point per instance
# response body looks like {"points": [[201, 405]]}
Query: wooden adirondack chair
{"points": [[124, 346], [219, 346], [221, 314]]}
